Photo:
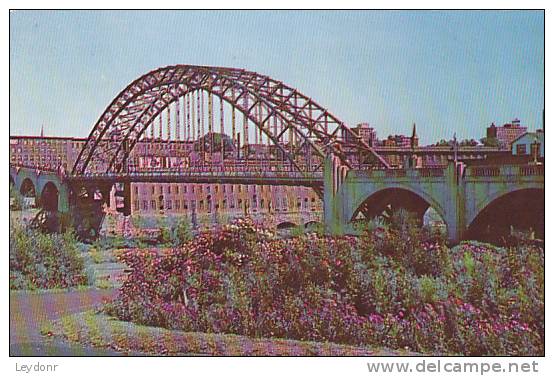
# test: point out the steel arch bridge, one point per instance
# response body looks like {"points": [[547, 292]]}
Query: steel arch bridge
{"points": [[302, 131]]}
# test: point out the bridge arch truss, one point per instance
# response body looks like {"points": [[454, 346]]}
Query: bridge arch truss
{"points": [[261, 99]]}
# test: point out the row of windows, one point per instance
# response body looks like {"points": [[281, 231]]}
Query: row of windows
{"points": [[200, 189], [521, 149], [51, 142], [54, 150], [32, 159], [208, 205], [167, 146]]}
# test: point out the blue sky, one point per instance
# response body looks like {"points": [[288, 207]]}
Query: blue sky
{"points": [[446, 71]]}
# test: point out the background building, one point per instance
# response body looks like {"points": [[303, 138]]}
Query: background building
{"points": [[530, 144], [177, 198], [506, 133]]}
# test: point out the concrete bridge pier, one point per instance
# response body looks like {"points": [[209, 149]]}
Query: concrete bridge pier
{"points": [[347, 193], [333, 177]]}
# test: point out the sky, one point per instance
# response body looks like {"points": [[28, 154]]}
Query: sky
{"points": [[448, 72]]}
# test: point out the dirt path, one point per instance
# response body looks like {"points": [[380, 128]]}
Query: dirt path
{"points": [[29, 311]]}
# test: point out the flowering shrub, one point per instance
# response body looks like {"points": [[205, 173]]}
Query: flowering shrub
{"points": [[394, 286], [44, 261]]}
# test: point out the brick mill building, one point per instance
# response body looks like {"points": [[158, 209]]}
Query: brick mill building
{"points": [[168, 198]]}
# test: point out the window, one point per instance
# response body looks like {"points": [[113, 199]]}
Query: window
{"points": [[137, 205], [177, 204], [169, 189], [168, 204], [177, 189], [145, 205], [535, 149], [254, 201], [521, 149], [185, 189], [136, 190], [153, 189], [153, 204]]}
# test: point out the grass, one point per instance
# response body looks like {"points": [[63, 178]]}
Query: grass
{"points": [[95, 255], [104, 283], [98, 330], [52, 291], [47, 329]]}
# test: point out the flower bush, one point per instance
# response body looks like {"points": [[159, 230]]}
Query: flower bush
{"points": [[396, 286], [44, 261]]}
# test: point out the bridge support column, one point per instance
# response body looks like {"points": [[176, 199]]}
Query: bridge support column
{"points": [[332, 199], [454, 203], [63, 198]]}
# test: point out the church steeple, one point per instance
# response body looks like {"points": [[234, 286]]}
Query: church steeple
{"points": [[414, 140]]}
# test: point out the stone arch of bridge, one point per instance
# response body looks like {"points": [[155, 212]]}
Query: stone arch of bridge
{"points": [[518, 208], [28, 187], [394, 196], [491, 197], [49, 196], [311, 224], [286, 225]]}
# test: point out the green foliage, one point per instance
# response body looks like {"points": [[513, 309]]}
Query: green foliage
{"points": [[297, 231], [137, 221], [16, 201], [396, 286], [44, 261], [181, 232], [213, 141], [174, 231], [468, 142], [490, 141]]}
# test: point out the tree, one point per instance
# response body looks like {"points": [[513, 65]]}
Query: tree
{"points": [[490, 141], [468, 142], [16, 201], [212, 142]]}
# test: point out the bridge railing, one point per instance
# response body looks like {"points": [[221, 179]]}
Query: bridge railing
{"points": [[431, 172], [426, 172], [531, 170], [46, 168], [235, 173], [504, 170]]}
